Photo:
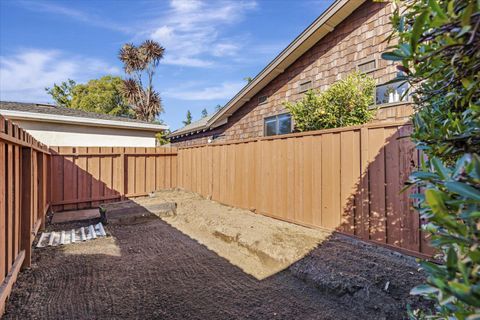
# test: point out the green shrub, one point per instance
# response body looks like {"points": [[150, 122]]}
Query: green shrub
{"points": [[345, 103], [439, 52], [162, 138]]}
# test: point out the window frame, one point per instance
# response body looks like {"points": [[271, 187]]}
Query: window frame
{"points": [[276, 117], [375, 105]]}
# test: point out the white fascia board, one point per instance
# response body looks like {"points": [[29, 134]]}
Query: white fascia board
{"points": [[44, 117]]}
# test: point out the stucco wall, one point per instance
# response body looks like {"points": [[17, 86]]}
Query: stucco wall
{"points": [[358, 39], [57, 134]]}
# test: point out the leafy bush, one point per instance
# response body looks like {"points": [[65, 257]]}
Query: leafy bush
{"points": [[439, 52], [162, 138], [345, 103]]}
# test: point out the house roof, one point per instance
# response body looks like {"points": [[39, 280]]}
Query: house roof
{"points": [[324, 24], [52, 113], [195, 126]]}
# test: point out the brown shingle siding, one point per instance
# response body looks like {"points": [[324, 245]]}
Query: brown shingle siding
{"points": [[360, 37]]}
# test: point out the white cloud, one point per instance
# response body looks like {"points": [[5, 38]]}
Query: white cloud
{"points": [[24, 76], [224, 91], [187, 62], [186, 5], [191, 30], [225, 49]]}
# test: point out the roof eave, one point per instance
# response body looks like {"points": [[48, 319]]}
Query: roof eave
{"points": [[43, 117]]}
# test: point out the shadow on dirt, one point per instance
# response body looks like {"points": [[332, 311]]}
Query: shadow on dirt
{"points": [[151, 270]]}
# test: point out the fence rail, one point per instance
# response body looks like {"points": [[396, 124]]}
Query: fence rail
{"points": [[24, 195]]}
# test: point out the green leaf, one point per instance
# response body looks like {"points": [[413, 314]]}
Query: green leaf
{"points": [[393, 56], [436, 8], [467, 14], [441, 170], [466, 83], [435, 201], [470, 215], [417, 29], [451, 261], [462, 291], [424, 175], [463, 189]]}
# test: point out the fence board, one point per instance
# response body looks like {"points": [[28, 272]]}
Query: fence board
{"points": [[3, 217], [107, 174], [21, 176], [346, 179]]}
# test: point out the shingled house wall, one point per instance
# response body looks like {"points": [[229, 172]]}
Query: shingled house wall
{"points": [[358, 39]]}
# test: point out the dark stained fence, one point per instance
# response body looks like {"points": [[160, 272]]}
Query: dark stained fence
{"points": [[84, 177], [24, 200]]}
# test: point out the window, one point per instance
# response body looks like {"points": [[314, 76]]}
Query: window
{"points": [[391, 93], [262, 99], [305, 86], [368, 66], [279, 124]]}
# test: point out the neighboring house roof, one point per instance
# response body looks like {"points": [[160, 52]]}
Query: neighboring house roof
{"points": [[195, 126], [323, 25], [52, 113]]}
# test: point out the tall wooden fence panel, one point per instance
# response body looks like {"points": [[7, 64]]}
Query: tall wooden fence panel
{"points": [[347, 179], [24, 200], [84, 177]]}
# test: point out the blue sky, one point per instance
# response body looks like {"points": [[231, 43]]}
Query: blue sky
{"points": [[211, 46]]}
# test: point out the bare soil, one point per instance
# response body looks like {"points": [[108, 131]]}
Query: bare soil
{"points": [[190, 266]]}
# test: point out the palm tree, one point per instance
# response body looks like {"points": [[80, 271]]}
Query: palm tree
{"points": [[139, 62]]}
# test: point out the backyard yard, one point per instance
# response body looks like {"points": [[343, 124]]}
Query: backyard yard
{"points": [[210, 261]]}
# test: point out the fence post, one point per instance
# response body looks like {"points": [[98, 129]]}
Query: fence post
{"points": [[26, 206], [123, 177]]}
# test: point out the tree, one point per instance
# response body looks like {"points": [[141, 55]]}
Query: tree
{"points": [[62, 94], [248, 79], [97, 95], [140, 63], [218, 107], [162, 138], [438, 50], [204, 113], [188, 120], [347, 102]]}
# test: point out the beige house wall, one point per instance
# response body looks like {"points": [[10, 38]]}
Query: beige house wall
{"points": [[59, 134]]}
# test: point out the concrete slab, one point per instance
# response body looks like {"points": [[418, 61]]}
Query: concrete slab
{"points": [[128, 212], [75, 215]]}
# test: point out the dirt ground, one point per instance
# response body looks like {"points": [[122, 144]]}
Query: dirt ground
{"points": [[213, 262], [258, 245]]}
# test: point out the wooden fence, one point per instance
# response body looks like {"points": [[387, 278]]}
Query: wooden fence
{"points": [[24, 195], [83, 177], [347, 179]]}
